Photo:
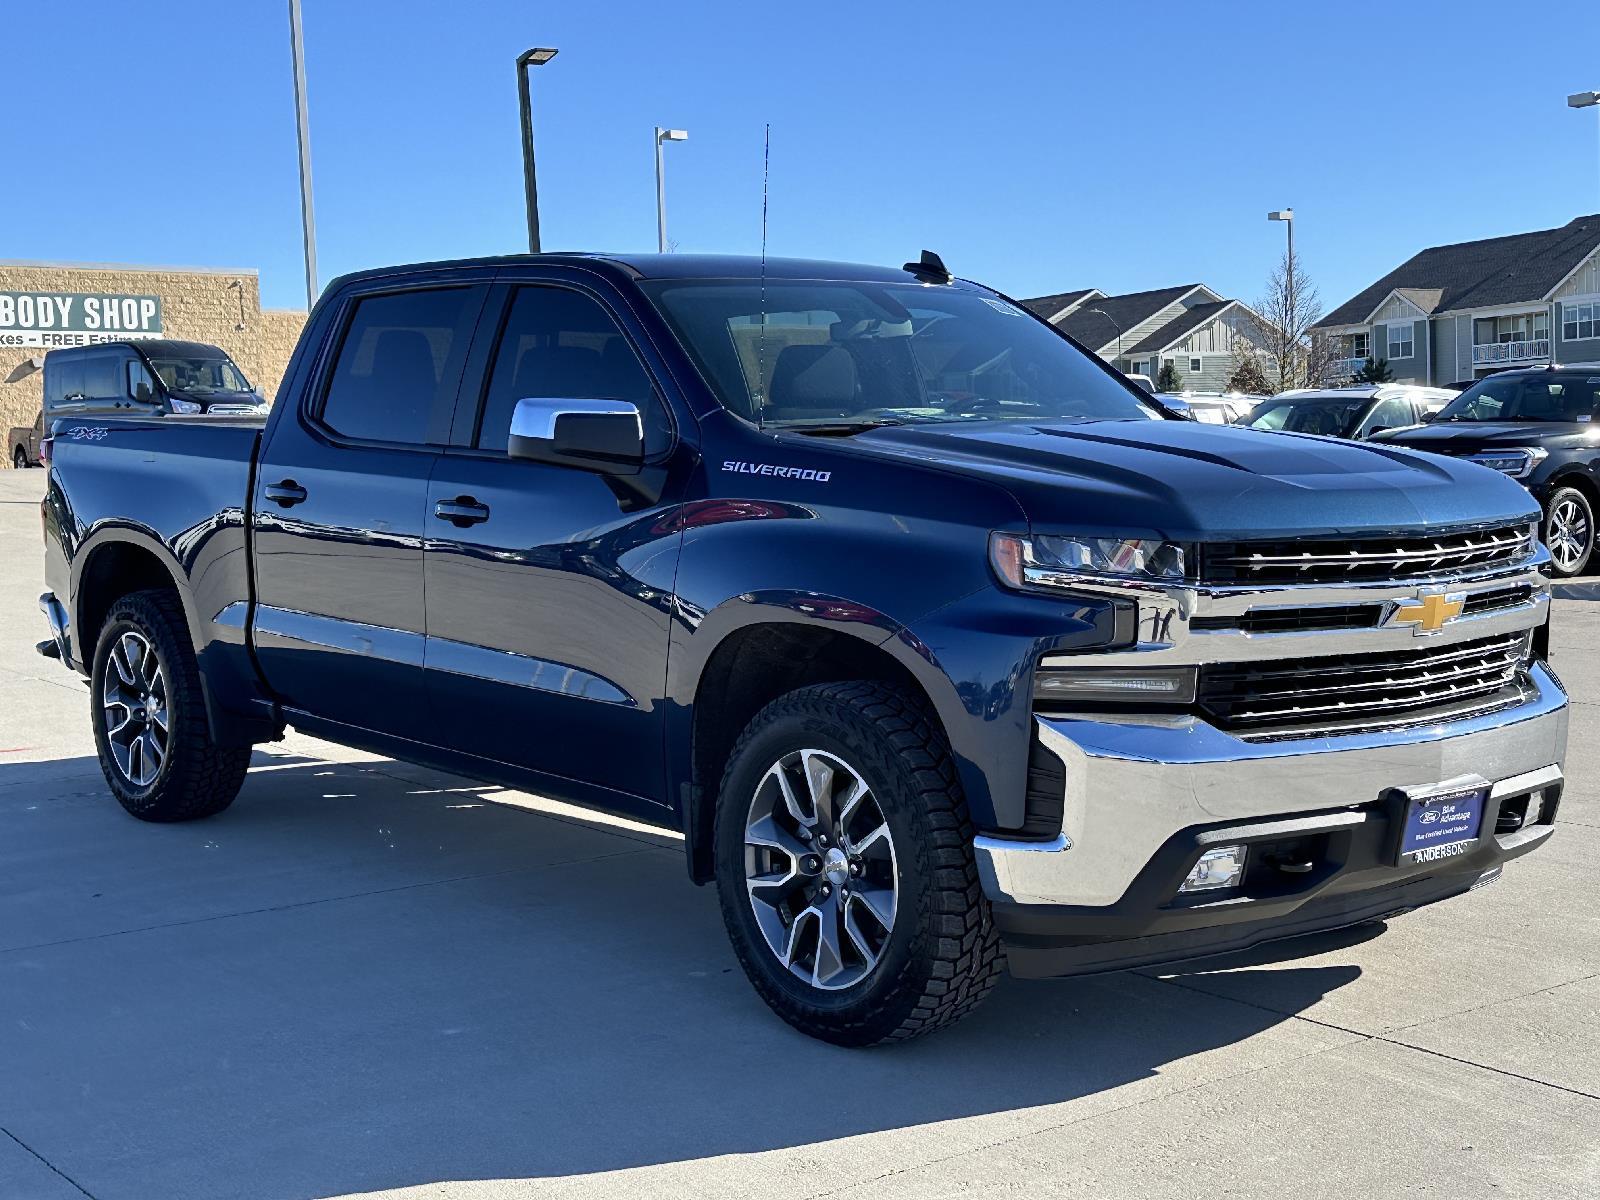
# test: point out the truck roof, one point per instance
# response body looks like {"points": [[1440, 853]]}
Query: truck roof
{"points": [[664, 266], [147, 346]]}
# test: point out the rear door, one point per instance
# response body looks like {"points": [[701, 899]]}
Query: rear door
{"points": [[548, 604], [339, 508]]}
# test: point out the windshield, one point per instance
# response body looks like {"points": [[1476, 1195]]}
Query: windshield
{"points": [[1527, 398], [200, 376], [1333, 416], [837, 353]]}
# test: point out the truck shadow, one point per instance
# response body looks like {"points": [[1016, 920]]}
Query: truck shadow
{"points": [[364, 976]]}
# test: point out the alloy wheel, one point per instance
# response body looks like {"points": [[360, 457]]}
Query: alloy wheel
{"points": [[133, 699], [1569, 534], [820, 869]]}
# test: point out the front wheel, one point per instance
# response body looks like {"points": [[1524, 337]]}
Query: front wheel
{"points": [[19, 459], [845, 868], [150, 726], [1569, 531]]}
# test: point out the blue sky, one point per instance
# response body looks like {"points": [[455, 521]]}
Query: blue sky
{"points": [[1038, 147]]}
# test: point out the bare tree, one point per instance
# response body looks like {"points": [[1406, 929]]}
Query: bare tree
{"points": [[1281, 325]]}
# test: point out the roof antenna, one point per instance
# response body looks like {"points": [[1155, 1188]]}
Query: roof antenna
{"points": [[761, 338], [930, 268]]}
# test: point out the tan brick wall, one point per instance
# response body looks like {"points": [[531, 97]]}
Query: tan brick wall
{"points": [[197, 306]]}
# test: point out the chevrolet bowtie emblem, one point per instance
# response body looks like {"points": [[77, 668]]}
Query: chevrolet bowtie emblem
{"points": [[1429, 614]]}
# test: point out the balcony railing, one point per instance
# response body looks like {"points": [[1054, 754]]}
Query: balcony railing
{"points": [[1342, 369], [1510, 352]]}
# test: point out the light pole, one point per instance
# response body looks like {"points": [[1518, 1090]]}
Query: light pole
{"points": [[1583, 100], [536, 57], [1115, 326], [664, 135], [1286, 215], [308, 221]]}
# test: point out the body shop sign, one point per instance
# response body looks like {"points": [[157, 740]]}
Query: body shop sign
{"points": [[56, 319]]}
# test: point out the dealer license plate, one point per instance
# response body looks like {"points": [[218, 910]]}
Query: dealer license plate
{"points": [[1441, 825]]}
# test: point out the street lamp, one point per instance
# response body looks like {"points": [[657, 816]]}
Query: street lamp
{"points": [[536, 57], [1286, 215], [308, 223], [1583, 100], [664, 135], [1115, 326]]}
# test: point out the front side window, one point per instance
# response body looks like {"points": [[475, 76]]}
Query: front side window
{"points": [[559, 343], [803, 353], [1401, 344], [1387, 414], [140, 386], [399, 364], [1542, 397]]}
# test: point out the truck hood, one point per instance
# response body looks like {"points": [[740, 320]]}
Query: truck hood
{"points": [[1196, 482], [1468, 437]]}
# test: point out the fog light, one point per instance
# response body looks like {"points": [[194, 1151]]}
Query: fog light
{"points": [[1219, 868]]}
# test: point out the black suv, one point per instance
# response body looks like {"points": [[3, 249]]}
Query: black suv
{"points": [[1541, 426]]}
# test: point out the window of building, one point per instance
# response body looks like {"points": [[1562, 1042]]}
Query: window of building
{"points": [[1400, 340], [1580, 321], [559, 343], [399, 365], [1195, 365], [1356, 347]]}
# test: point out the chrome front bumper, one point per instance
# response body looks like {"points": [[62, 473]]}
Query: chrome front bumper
{"points": [[1135, 783]]}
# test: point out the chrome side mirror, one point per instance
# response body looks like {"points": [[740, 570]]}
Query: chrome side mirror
{"points": [[605, 436]]}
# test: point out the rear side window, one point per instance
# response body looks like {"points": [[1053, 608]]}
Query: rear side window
{"points": [[102, 376], [63, 379], [398, 366], [559, 343]]}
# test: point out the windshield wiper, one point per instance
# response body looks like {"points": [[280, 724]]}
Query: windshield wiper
{"points": [[838, 428]]}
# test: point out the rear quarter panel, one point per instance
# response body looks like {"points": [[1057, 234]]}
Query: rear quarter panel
{"points": [[176, 489]]}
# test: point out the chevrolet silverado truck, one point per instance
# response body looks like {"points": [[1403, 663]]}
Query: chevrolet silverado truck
{"points": [[941, 644]]}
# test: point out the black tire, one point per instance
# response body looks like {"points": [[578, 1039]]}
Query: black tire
{"points": [[942, 955], [1572, 508], [195, 777], [19, 459]]}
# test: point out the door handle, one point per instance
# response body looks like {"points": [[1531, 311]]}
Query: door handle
{"points": [[461, 512], [286, 493]]}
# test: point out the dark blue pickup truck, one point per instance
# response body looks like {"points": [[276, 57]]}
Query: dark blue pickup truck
{"points": [[940, 644]]}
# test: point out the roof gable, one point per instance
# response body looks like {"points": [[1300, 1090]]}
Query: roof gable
{"points": [[1181, 326], [1100, 324], [1053, 307], [1521, 267]]}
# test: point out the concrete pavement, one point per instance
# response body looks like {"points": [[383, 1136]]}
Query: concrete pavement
{"points": [[370, 978]]}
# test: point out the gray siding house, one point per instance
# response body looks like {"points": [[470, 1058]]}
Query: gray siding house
{"points": [[1190, 326], [1453, 314]]}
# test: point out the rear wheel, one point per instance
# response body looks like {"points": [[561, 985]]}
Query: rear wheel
{"points": [[150, 726], [845, 868], [1569, 531]]}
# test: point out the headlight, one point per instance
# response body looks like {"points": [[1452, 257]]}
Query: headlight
{"points": [[183, 406], [1518, 463], [1060, 561]]}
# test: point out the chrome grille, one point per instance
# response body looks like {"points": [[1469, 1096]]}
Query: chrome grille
{"points": [[1356, 560], [1317, 695]]}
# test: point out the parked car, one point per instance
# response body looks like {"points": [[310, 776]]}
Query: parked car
{"points": [[1540, 426], [22, 443], [152, 377], [1215, 408], [1357, 411], [940, 643]]}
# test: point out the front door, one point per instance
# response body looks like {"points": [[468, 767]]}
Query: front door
{"points": [[547, 602], [340, 512]]}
